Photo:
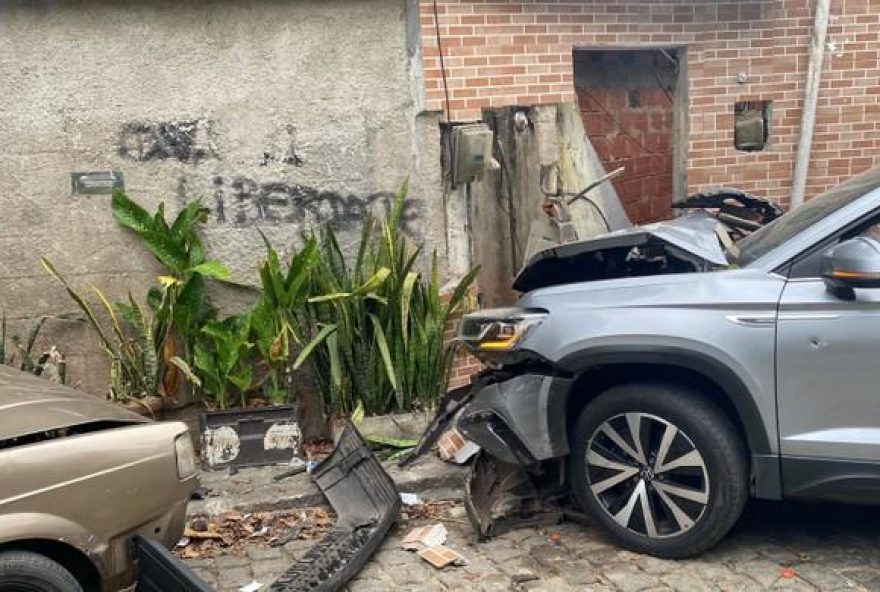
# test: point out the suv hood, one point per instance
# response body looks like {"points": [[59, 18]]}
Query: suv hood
{"points": [[30, 405], [682, 245]]}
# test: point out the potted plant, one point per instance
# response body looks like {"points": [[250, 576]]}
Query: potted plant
{"points": [[126, 337]]}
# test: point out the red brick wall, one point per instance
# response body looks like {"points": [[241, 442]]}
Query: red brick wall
{"points": [[520, 52], [463, 363], [638, 137]]}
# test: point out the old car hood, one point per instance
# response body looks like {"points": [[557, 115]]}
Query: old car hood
{"points": [[691, 237], [30, 405]]}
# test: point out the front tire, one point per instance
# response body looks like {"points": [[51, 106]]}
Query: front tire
{"points": [[23, 571], [660, 469]]}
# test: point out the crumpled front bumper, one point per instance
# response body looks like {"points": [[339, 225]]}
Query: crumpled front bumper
{"points": [[520, 420], [517, 418]]}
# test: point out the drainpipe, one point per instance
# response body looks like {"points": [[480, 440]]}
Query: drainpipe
{"points": [[811, 98]]}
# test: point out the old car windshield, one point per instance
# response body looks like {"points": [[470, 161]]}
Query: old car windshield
{"points": [[782, 229]]}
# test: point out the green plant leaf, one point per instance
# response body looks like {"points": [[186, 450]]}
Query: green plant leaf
{"points": [[330, 297], [391, 442], [383, 350], [187, 370], [81, 303], [211, 268], [168, 251], [129, 214], [374, 282], [357, 416], [319, 338]]}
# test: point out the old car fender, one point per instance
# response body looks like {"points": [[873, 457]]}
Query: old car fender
{"points": [[48, 527]]}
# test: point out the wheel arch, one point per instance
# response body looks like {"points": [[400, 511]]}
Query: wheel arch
{"points": [[597, 370], [68, 556]]}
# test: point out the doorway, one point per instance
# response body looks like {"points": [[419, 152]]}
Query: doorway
{"points": [[634, 107]]}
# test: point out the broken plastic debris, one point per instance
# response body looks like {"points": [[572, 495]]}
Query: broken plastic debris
{"points": [[183, 542], [252, 587], [454, 447], [410, 499], [310, 466], [425, 537], [440, 556]]}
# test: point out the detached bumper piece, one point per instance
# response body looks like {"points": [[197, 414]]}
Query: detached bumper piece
{"points": [[160, 571], [366, 503]]}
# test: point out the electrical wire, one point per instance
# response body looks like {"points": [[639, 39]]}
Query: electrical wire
{"points": [[595, 207], [442, 63]]}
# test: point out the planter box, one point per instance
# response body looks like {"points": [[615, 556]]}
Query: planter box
{"points": [[249, 437]]}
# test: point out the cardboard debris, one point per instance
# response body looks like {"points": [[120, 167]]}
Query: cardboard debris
{"points": [[425, 537], [441, 556], [453, 447]]}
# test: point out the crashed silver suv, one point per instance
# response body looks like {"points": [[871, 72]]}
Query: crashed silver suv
{"points": [[663, 379]]}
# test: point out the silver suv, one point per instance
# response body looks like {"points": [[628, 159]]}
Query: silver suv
{"points": [[663, 379]]}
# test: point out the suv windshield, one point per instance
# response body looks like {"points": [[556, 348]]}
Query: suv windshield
{"points": [[780, 230]]}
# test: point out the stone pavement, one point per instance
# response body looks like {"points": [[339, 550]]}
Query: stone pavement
{"points": [[825, 547]]}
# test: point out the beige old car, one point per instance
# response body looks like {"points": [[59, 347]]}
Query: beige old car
{"points": [[78, 478]]}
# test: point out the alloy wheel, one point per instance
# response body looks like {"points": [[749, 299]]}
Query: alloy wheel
{"points": [[647, 474]]}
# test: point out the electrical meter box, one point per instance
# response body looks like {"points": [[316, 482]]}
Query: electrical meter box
{"points": [[471, 152]]}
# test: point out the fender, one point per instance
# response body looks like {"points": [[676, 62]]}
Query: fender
{"points": [[710, 368], [48, 527]]}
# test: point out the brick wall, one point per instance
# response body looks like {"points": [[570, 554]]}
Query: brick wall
{"points": [[621, 131], [502, 53]]}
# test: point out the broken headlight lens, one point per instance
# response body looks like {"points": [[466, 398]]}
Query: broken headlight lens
{"points": [[500, 329], [186, 456]]}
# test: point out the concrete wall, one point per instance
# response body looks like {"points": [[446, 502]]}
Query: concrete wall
{"points": [[278, 114]]}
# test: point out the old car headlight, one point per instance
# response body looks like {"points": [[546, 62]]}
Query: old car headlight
{"points": [[500, 329], [186, 456]]}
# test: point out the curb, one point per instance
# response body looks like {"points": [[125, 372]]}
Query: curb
{"points": [[254, 490]]}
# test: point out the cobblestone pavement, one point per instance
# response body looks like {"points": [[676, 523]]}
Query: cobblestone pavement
{"points": [[775, 546]]}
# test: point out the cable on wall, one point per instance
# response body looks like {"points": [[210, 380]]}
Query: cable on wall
{"points": [[442, 63]]}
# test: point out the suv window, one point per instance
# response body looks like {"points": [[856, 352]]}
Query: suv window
{"points": [[809, 263], [782, 229]]}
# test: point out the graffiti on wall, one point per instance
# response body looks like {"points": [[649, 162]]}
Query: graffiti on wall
{"points": [[282, 148], [243, 201], [188, 141]]}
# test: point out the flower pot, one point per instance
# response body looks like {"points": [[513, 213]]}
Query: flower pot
{"points": [[250, 437]]}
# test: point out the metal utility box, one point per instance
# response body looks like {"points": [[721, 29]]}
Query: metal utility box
{"points": [[471, 152]]}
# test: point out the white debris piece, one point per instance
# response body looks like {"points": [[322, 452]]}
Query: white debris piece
{"points": [[425, 537], [410, 499], [252, 587]]}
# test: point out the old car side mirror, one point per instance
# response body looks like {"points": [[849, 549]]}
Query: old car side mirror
{"points": [[854, 263]]}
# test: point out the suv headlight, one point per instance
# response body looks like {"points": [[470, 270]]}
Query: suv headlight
{"points": [[186, 456], [500, 329]]}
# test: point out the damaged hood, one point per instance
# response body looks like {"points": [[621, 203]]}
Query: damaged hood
{"points": [[693, 237], [29, 405]]}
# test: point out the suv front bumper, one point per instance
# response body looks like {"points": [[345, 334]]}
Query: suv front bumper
{"points": [[520, 420]]}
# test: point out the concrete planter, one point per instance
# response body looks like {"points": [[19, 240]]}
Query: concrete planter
{"points": [[249, 437]]}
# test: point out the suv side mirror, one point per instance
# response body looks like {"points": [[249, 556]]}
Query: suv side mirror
{"points": [[854, 263]]}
